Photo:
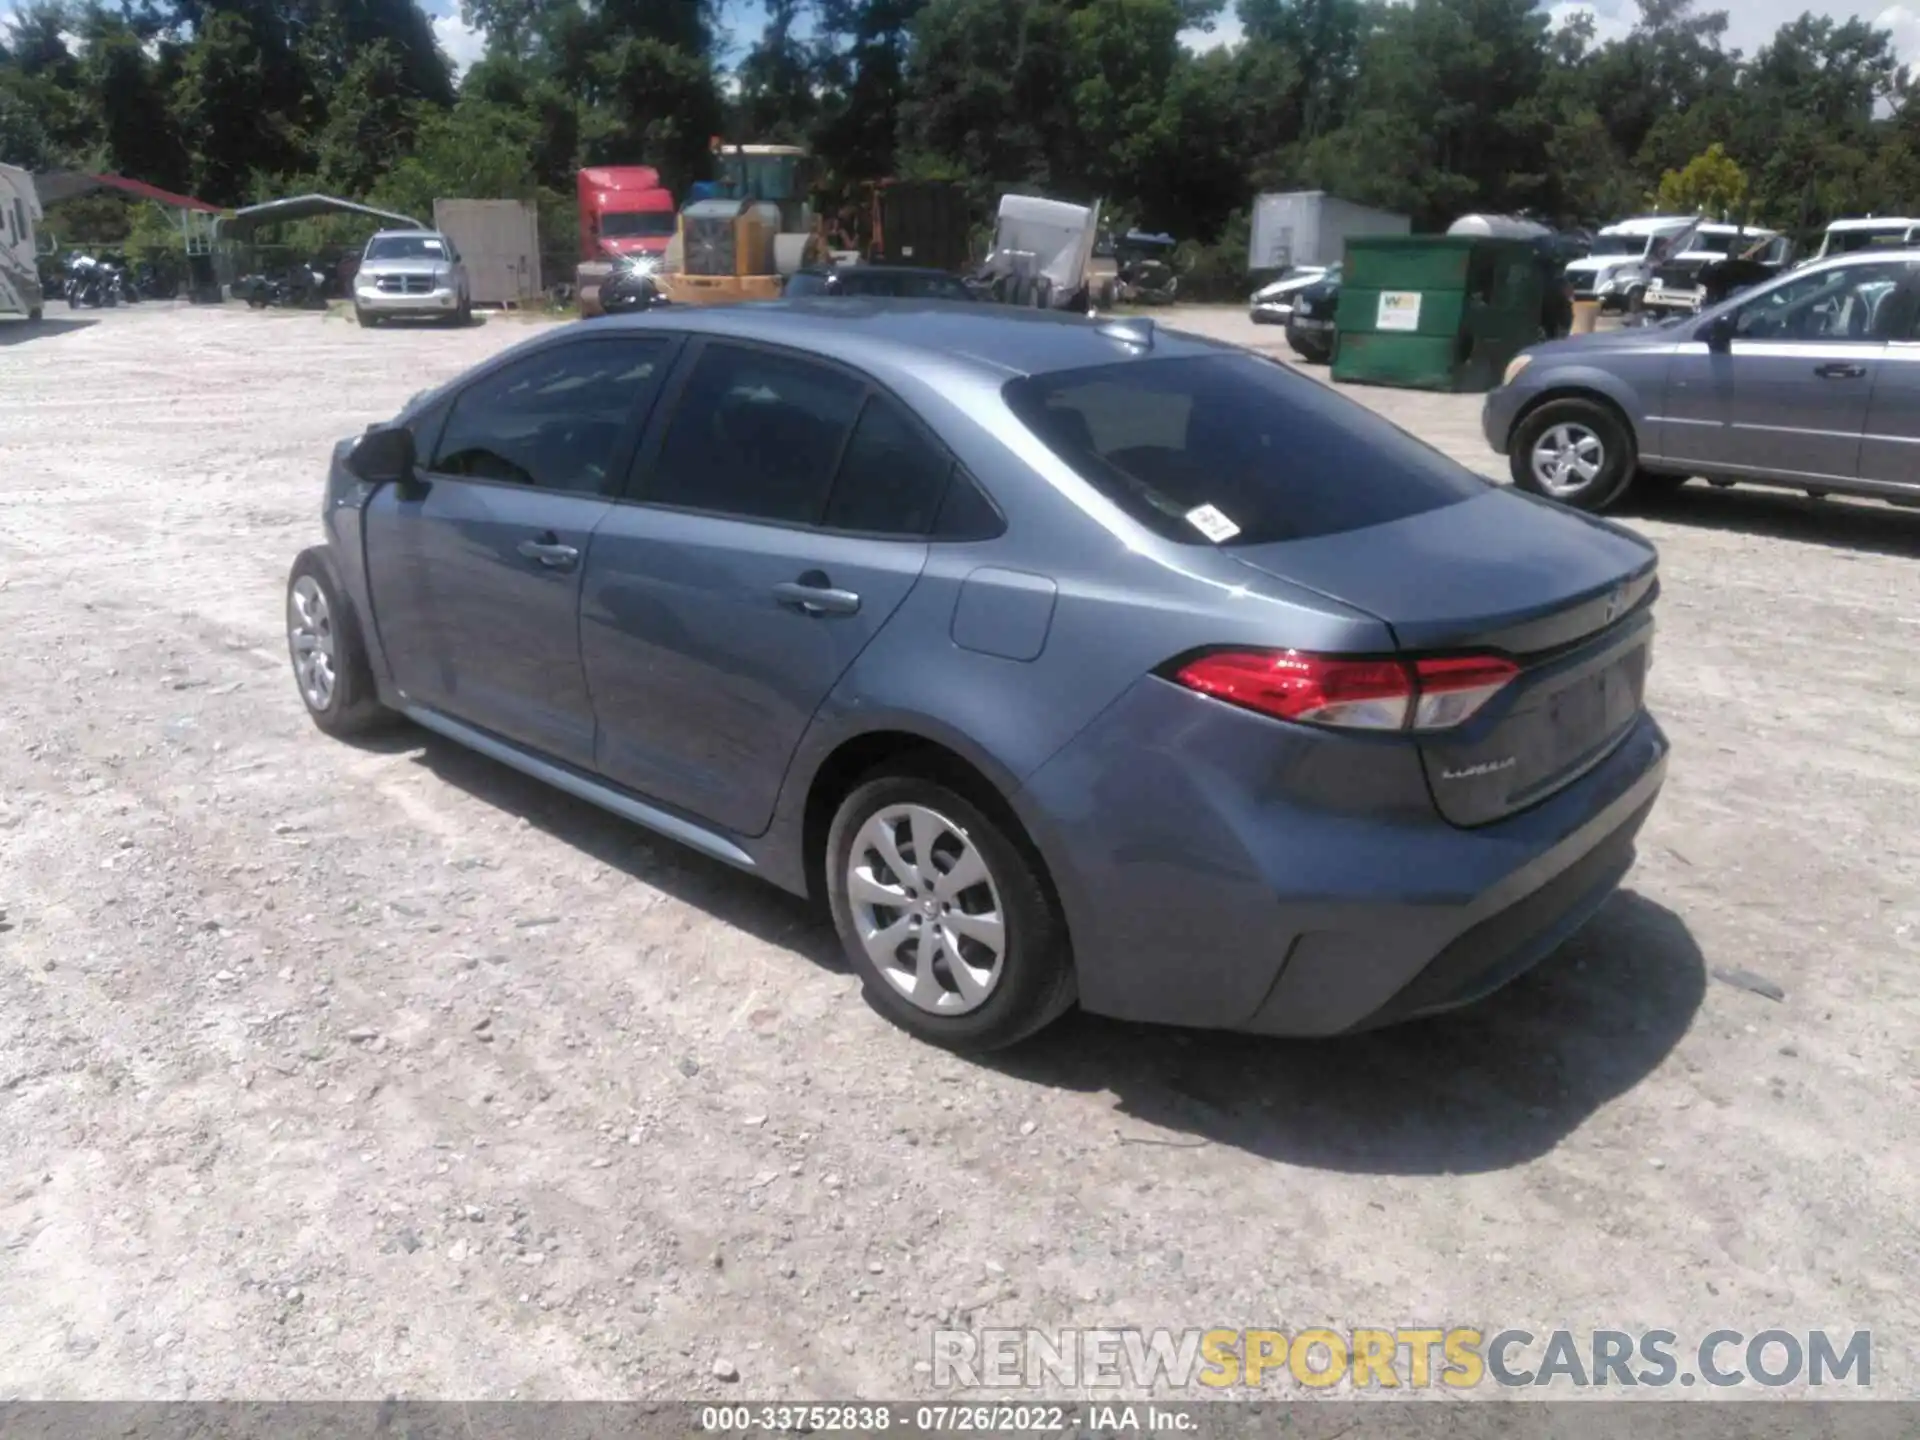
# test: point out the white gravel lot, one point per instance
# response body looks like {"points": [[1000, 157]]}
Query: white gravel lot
{"points": [[345, 1072]]}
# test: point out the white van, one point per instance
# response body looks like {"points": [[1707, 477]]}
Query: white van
{"points": [[19, 253], [1616, 271]]}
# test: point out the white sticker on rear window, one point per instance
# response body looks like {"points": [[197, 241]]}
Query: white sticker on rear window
{"points": [[1212, 524]]}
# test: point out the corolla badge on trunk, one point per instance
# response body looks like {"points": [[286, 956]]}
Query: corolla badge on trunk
{"points": [[1485, 767]]}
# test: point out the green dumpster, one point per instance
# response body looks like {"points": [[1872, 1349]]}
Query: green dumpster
{"points": [[1436, 312]]}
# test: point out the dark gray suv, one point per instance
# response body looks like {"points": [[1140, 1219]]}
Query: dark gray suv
{"points": [[1811, 381]]}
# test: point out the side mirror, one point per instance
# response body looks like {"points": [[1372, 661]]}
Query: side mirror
{"points": [[384, 455], [1718, 332]]}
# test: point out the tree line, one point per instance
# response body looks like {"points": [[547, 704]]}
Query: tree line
{"points": [[1434, 108]]}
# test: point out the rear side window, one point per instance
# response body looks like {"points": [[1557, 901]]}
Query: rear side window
{"points": [[892, 477], [756, 435], [1234, 450], [552, 420]]}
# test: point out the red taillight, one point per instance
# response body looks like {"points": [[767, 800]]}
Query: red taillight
{"points": [[1350, 694]]}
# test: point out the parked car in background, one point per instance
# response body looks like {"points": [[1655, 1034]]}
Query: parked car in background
{"points": [[1313, 324], [892, 282], [1811, 380], [1272, 304], [411, 273], [1004, 635]]}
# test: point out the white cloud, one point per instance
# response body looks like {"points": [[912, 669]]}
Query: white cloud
{"points": [[1904, 22], [461, 41], [1750, 23], [1605, 27], [1226, 30]]}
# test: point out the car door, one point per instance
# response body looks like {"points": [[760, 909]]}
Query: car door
{"points": [[476, 568], [1789, 395], [1890, 451], [781, 515]]}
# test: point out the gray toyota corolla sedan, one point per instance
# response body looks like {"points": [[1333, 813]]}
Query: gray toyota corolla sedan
{"points": [[1066, 660]]}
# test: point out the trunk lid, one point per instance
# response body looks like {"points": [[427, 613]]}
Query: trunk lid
{"points": [[1565, 596]]}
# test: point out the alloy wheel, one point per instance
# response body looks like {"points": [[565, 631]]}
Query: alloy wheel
{"points": [[927, 909], [1567, 459], [310, 635]]}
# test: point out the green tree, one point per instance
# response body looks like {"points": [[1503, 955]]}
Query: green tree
{"points": [[1710, 184]]}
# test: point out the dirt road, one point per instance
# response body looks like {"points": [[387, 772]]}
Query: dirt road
{"points": [[345, 1072]]}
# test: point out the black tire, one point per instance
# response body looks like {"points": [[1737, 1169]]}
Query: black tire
{"points": [[353, 706], [1582, 421], [1035, 984], [366, 318], [1311, 351]]}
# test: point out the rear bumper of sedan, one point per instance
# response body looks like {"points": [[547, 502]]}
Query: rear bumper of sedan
{"points": [[1222, 871]]}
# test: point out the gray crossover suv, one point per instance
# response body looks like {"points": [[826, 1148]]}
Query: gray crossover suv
{"points": [[1810, 381], [1063, 659]]}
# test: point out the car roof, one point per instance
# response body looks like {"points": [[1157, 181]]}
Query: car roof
{"points": [[1875, 222], [997, 342], [1648, 225], [865, 269]]}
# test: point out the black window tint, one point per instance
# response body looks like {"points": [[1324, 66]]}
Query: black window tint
{"points": [[1234, 449], [802, 285], [1847, 303], [755, 435], [552, 419], [892, 476], [966, 513]]}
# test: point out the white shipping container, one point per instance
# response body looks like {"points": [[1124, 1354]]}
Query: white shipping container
{"points": [[500, 242], [1311, 227]]}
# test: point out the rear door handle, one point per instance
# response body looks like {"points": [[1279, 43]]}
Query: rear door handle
{"points": [[548, 551], [813, 594], [1840, 370]]}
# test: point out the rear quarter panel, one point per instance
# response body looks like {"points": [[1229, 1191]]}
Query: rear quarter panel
{"points": [[1122, 603]]}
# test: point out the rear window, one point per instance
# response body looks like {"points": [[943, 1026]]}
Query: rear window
{"points": [[1234, 450]]}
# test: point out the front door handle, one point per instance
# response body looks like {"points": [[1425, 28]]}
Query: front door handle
{"points": [[548, 551], [1840, 370], [813, 594]]}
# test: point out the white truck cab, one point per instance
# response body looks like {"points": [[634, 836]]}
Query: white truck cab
{"points": [[1616, 270], [19, 250], [1676, 285], [1872, 232]]}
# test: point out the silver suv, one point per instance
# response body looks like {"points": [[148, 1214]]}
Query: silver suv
{"points": [[411, 272], [1811, 381]]}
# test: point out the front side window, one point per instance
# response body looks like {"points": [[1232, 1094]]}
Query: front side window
{"points": [[1847, 303], [553, 419], [1234, 450], [756, 435]]}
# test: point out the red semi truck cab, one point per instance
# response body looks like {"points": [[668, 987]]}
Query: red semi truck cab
{"points": [[624, 210]]}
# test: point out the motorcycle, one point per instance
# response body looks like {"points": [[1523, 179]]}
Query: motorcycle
{"points": [[92, 284], [300, 287]]}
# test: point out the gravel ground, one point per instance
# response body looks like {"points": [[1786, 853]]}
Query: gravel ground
{"points": [[343, 1072]]}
